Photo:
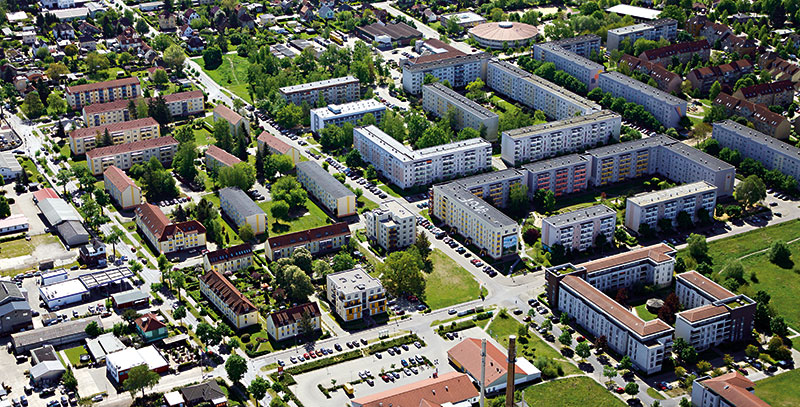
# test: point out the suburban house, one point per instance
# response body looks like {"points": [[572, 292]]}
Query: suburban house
{"points": [[150, 328], [285, 324], [208, 392], [239, 310], [93, 253], [167, 21]]}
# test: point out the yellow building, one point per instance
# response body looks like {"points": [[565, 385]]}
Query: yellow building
{"points": [[355, 294], [101, 92], [275, 145], [230, 301], [85, 139], [165, 236], [229, 260], [121, 187]]}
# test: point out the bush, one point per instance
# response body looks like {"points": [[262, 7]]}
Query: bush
{"points": [[403, 340], [324, 362], [454, 327], [245, 338]]}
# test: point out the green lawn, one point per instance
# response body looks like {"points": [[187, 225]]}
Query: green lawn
{"points": [[22, 247], [388, 190], [446, 275], [654, 394], [644, 314], [571, 392], [232, 74], [310, 217], [365, 204], [30, 167], [781, 284], [777, 390], [74, 354]]}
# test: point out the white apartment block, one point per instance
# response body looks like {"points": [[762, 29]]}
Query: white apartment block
{"points": [[578, 230], [439, 99], [458, 70], [727, 390], [285, 324], [573, 134], [666, 28], [650, 265], [666, 108], [562, 175], [85, 139], [581, 68], [125, 156], [180, 104], [102, 92], [334, 91], [650, 207], [773, 153], [463, 206], [524, 87], [229, 260], [407, 168], [345, 113], [354, 294], [582, 45], [391, 226]]}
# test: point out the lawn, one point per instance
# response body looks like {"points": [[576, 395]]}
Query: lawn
{"points": [[571, 392], [644, 314], [781, 284], [365, 204], [446, 275], [232, 74], [74, 354], [22, 247], [30, 167], [310, 217], [388, 190], [777, 390]]}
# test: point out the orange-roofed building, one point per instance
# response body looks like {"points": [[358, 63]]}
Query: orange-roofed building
{"points": [[728, 390], [235, 120], [466, 357], [165, 236], [275, 145], [121, 187], [448, 389]]}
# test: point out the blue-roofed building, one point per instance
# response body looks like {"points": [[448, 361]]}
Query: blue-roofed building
{"points": [[229, 260], [242, 210]]}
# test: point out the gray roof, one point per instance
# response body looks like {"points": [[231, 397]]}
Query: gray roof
{"points": [[50, 333], [459, 100], [207, 391], [570, 56], [9, 292], [455, 60], [129, 296], [319, 84], [633, 145], [567, 123], [642, 87], [758, 138], [486, 211], [239, 200], [631, 29], [47, 369], [73, 232], [57, 210], [647, 198], [698, 156], [491, 177], [46, 352], [324, 179], [580, 215], [557, 162], [103, 345], [105, 277], [5, 309], [8, 160], [575, 40]]}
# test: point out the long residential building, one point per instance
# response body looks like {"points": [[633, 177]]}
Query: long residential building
{"points": [[79, 96], [336, 90], [580, 229], [217, 158], [462, 205], [535, 92], [230, 259], [237, 308], [650, 207], [407, 168], [774, 154], [166, 236], [242, 210], [573, 134], [180, 104], [666, 28], [580, 67], [582, 45], [563, 175], [391, 226], [454, 67], [275, 145], [713, 315], [319, 240], [439, 99], [351, 113], [125, 156], [763, 119], [779, 93], [726, 74], [665, 80], [354, 294], [85, 139], [328, 191], [666, 108], [683, 51], [122, 189]]}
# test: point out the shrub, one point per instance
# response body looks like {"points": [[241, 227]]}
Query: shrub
{"points": [[245, 338]]}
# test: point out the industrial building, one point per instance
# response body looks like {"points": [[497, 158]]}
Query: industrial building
{"points": [[391, 226], [74, 290], [352, 112], [55, 335], [580, 229], [119, 364], [327, 190], [650, 207], [439, 99], [15, 311]]}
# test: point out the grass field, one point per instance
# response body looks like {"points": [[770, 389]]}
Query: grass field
{"points": [[446, 275], [644, 314], [530, 347], [313, 216], [74, 354], [571, 392], [232, 74], [777, 390], [22, 247]]}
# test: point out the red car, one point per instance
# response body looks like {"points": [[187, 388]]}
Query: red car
{"points": [[619, 390], [305, 355], [581, 339]]}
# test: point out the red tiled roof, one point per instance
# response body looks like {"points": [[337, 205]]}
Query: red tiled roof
{"points": [[468, 355], [228, 253], [180, 96], [46, 193], [274, 142], [294, 314], [118, 104], [120, 126], [656, 253], [227, 114], [451, 387], [222, 156], [161, 227], [706, 284], [118, 178], [88, 87], [128, 147], [225, 290], [149, 322], [767, 89], [734, 388], [675, 49], [704, 312], [310, 235]]}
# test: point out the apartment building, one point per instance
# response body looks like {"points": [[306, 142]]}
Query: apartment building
{"points": [[439, 99], [121, 188], [580, 229], [217, 158], [336, 90], [79, 96], [275, 145], [774, 154], [235, 121], [85, 139], [456, 68], [666, 28], [582, 45], [239, 208], [319, 240], [230, 259], [354, 294], [685, 164], [463, 206], [580, 67], [166, 236], [125, 156], [729, 389], [338, 115], [650, 265], [665, 80], [391, 226], [237, 308], [666, 108], [779, 93], [407, 168], [713, 315], [763, 119], [180, 104], [573, 134], [683, 51], [535, 92], [328, 191], [562, 175], [727, 74], [285, 324], [650, 207]]}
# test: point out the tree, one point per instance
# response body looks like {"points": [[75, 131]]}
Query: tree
{"points": [[531, 235], [69, 380], [582, 350], [626, 363], [56, 105], [236, 367], [183, 162], [96, 62], [279, 210], [779, 253], [342, 261], [423, 245], [298, 284], [778, 326], [33, 106], [306, 324], [5, 208], [179, 313], [140, 378], [475, 90], [609, 372], [207, 333], [716, 88], [289, 190], [698, 248], [750, 191], [212, 58], [544, 200], [93, 329], [751, 351], [302, 258], [401, 273], [160, 77], [157, 109], [632, 389], [241, 175], [258, 387], [113, 238], [565, 338], [518, 198]]}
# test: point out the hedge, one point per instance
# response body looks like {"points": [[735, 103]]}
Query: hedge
{"points": [[403, 340], [455, 326], [324, 362]]}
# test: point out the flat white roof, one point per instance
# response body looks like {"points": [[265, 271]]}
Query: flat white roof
{"points": [[404, 153], [131, 357], [665, 195], [347, 109], [63, 289], [633, 11]]}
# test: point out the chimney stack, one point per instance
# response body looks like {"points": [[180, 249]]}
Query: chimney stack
{"points": [[483, 371], [512, 360]]}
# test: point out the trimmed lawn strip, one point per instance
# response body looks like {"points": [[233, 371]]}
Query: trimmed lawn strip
{"points": [[644, 314], [571, 392], [780, 390], [324, 362], [439, 292], [654, 394], [781, 284]]}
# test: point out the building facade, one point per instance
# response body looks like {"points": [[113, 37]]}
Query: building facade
{"points": [[391, 226], [562, 175], [180, 104], [125, 156], [101, 92], [319, 240], [235, 121], [727, 390], [779, 93], [122, 189], [337, 90], [580, 229], [666, 108], [15, 311], [354, 294], [457, 69], [580, 67], [242, 210], [439, 99], [328, 191], [165, 236], [650, 207], [237, 308], [229, 260], [666, 28], [286, 324], [85, 139], [352, 112], [774, 154]]}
